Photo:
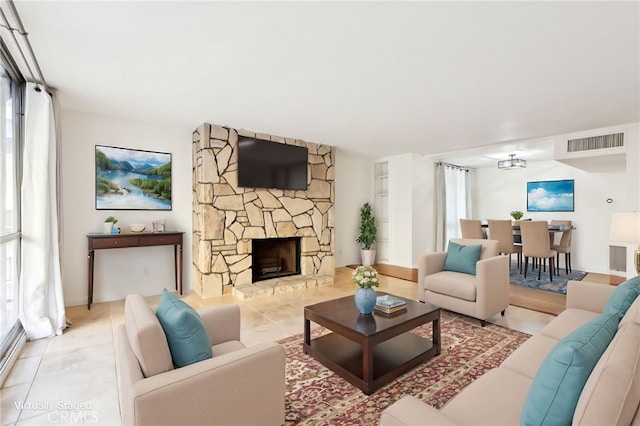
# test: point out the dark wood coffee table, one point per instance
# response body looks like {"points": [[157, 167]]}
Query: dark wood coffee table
{"points": [[370, 351]]}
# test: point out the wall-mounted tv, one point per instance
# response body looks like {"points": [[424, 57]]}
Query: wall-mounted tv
{"points": [[266, 164], [550, 196]]}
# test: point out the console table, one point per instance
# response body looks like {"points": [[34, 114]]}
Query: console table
{"points": [[115, 241]]}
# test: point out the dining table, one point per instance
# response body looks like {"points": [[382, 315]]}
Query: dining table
{"points": [[553, 229]]}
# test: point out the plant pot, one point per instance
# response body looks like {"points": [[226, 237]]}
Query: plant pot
{"points": [[368, 257], [108, 227], [365, 299]]}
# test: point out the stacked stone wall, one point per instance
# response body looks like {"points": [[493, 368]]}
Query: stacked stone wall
{"points": [[226, 217]]}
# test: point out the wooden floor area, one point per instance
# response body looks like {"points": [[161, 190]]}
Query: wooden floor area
{"points": [[537, 300], [409, 274], [524, 297]]}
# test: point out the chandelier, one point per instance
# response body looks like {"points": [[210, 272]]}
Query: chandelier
{"points": [[512, 163]]}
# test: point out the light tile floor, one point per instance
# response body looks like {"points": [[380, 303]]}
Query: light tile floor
{"points": [[71, 379]]}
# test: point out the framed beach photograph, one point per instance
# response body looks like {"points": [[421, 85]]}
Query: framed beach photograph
{"points": [[132, 179], [550, 196]]}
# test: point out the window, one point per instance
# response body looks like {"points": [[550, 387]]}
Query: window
{"points": [[11, 87], [457, 199]]}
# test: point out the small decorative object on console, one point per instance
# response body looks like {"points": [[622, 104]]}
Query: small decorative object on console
{"points": [[109, 224], [137, 227]]}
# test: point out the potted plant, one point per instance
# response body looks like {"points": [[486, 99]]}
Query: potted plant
{"points": [[367, 235], [365, 277], [108, 224], [516, 215]]}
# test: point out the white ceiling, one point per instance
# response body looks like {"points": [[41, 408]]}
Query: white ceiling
{"points": [[377, 78]]}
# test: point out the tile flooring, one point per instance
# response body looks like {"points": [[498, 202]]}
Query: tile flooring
{"points": [[71, 379]]}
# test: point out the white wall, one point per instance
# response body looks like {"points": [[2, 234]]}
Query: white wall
{"points": [[423, 211], [122, 271], [354, 187], [119, 272], [498, 192]]}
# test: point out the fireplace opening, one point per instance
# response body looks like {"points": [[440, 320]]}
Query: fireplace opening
{"points": [[275, 257]]}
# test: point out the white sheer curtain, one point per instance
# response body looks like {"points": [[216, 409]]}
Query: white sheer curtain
{"points": [[41, 301], [453, 201]]}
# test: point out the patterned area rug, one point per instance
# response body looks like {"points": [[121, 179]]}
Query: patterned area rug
{"points": [[558, 285], [317, 396]]}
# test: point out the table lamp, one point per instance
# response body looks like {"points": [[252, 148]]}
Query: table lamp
{"points": [[625, 227]]}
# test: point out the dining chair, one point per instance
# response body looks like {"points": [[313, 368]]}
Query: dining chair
{"points": [[471, 228], [564, 246], [502, 231], [535, 244], [517, 237]]}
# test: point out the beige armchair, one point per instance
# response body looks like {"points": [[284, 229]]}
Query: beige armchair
{"points": [[238, 386], [480, 296]]}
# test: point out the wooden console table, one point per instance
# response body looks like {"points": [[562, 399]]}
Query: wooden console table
{"points": [[114, 241]]}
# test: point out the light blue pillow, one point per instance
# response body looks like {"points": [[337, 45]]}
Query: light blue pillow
{"points": [[187, 337], [555, 390], [623, 296], [462, 258]]}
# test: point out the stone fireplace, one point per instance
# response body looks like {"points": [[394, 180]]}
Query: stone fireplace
{"points": [[227, 219]]}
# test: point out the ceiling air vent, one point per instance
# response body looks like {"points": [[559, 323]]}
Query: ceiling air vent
{"points": [[615, 140]]}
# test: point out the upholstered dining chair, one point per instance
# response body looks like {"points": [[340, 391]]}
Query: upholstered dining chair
{"points": [[517, 236], [502, 231], [471, 228], [564, 246], [535, 244]]}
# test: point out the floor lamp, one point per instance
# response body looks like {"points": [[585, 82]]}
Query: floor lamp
{"points": [[625, 227]]}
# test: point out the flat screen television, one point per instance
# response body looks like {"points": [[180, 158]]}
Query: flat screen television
{"points": [[266, 164]]}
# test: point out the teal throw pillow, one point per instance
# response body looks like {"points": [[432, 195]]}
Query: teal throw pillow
{"points": [[623, 296], [187, 337], [462, 258], [555, 390]]}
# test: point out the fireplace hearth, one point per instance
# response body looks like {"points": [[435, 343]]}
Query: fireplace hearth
{"points": [[274, 257]]}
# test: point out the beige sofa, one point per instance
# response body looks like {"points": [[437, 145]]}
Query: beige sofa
{"points": [[610, 396], [238, 386], [480, 296]]}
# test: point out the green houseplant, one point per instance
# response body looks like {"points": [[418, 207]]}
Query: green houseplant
{"points": [[516, 214], [109, 223], [367, 234]]}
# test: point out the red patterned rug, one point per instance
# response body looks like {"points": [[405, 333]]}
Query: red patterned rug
{"points": [[317, 396]]}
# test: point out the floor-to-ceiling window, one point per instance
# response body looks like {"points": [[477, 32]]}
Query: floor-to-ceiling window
{"points": [[11, 86]]}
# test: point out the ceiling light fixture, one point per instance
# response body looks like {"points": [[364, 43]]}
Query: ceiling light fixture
{"points": [[512, 163]]}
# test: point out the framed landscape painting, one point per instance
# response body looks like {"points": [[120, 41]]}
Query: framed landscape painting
{"points": [[550, 196], [132, 179]]}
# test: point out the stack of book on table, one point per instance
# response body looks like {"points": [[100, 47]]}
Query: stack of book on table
{"points": [[388, 304]]}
